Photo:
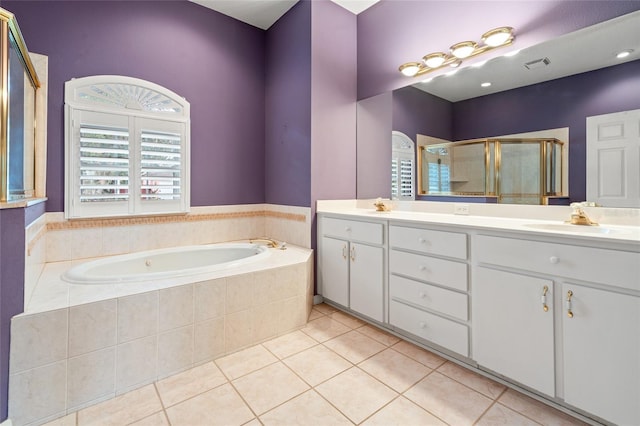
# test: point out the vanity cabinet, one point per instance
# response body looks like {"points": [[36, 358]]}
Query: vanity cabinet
{"points": [[596, 348], [513, 327], [601, 347], [428, 284], [352, 259]]}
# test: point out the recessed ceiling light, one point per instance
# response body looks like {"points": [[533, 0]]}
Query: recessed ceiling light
{"points": [[624, 53], [485, 84]]}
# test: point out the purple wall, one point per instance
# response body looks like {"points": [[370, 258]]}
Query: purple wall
{"points": [[565, 102], [287, 140], [391, 32], [12, 224], [374, 146], [333, 102], [215, 62], [417, 112]]}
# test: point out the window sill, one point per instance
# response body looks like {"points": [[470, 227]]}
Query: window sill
{"points": [[22, 203]]}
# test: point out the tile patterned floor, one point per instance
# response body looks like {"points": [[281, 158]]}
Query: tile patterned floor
{"points": [[335, 371]]}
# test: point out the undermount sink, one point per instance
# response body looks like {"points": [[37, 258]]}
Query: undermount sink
{"points": [[565, 227]]}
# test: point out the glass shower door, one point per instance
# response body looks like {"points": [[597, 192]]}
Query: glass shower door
{"points": [[519, 169]]}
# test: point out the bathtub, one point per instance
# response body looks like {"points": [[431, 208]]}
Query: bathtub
{"points": [[165, 263], [79, 344]]}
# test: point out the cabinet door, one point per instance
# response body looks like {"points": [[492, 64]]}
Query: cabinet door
{"points": [[512, 332], [602, 353], [366, 289], [334, 270]]}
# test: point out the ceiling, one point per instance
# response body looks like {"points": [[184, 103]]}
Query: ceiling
{"points": [[584, 50], [264, 13]]}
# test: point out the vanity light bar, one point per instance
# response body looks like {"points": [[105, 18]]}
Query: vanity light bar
{"points": [[492, 39]]}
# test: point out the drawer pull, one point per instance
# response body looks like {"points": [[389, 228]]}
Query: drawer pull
{"points": [[422, 324], [568, 304], [344, 251], [545, 289], [353, 254], [554, 259]]}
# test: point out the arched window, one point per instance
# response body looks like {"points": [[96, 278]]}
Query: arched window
{"points": [[402, 166], [127, 148]]}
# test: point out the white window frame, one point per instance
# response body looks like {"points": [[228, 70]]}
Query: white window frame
{"points": [[402, 150], [134, 104]]}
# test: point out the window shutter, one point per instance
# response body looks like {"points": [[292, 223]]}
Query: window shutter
{"points": [[104, 164], [394, 178], [160, 165], [406, 178]]}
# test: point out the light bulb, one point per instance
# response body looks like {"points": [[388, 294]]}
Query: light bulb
{"points": [[410, 68], [497, 36], [463, 49], [434, 60]]}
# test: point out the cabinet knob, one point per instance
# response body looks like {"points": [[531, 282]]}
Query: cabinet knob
{"points": [[422, 268], [554, 259], [347, 229], [423, 324], [422, 295], [422, 240]]}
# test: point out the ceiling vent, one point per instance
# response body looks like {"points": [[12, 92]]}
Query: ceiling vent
{"points": [[538, 63]]}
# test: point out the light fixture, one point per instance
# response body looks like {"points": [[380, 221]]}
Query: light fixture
{"points": [[463, 49], [624, 53], [492, 39], [434, 60], [497, 37], [410, 68]]}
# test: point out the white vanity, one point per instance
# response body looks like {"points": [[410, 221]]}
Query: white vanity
{"points": [[551, 308]]}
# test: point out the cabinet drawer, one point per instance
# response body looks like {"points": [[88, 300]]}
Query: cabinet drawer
{"points": [[442, 332], [437, 271], [435, 298], [367, 232], [611, 267], [441, 243]]}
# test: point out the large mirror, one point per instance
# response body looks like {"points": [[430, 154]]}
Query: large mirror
{"points": [[554, 85]]}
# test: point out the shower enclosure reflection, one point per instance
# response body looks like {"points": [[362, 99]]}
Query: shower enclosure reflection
{"points": [[514, 171]]}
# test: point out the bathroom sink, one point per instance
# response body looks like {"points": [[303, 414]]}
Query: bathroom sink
{"points": [[565, 227]]}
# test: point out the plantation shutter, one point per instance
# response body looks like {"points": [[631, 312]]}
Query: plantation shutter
{"points": [[104, 163], [127, 146], [395, 185], [402, 166], [160, 162], [406, 178]]}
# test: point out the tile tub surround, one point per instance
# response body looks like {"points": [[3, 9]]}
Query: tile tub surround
{"points": [[68, 358], [51, 238], [304, 378]]}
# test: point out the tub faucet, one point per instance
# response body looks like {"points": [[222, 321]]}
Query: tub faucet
{"points": [[579, 216], [270, 243]]}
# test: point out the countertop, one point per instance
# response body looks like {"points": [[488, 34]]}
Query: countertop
{"points": [[529, 225]]}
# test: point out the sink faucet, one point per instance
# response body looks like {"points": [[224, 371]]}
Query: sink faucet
{"points": [[579, 216], [270, 243]]}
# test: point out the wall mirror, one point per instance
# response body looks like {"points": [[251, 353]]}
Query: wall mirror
{"points": [[18, 82], [558, 84]]}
